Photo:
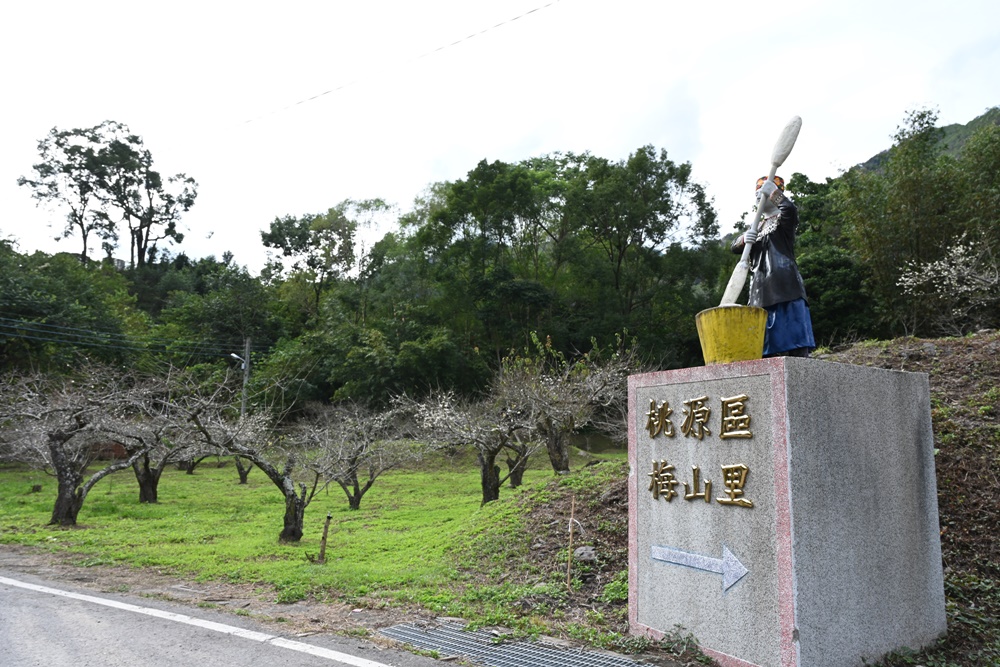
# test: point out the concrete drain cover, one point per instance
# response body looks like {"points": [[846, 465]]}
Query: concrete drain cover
{"points": [[481, 646]]}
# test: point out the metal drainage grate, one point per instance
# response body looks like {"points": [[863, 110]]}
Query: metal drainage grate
{"points": [[450, 639]]}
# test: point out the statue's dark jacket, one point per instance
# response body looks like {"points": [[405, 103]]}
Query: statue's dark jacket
{"points": [[775, 276]]}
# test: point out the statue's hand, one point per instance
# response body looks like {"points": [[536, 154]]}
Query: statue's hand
{"points": [[767, 189]]}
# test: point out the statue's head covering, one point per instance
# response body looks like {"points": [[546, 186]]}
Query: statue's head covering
{"points": [[778, 180]]}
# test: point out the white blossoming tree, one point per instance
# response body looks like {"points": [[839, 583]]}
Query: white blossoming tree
{"points": [[963, 287]]}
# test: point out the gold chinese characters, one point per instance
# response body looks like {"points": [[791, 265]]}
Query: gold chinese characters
{"points": [[734, 477], [734, 422]]}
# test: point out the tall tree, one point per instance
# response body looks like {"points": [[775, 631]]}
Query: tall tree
{"points": [[320, 248], [839, 303], [104, 175], [68, 177], [631, 210], [961, 287], [149, 204], [486, 248], [486, 212], [910, 209]]}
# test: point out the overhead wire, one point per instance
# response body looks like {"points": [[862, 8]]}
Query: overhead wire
{"points": [[84, 334], [427, 54], [51, 333]]}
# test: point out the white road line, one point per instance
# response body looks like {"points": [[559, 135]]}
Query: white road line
{"points": [[208, 625]]}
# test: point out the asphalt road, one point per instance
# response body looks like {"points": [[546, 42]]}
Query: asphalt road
{"points": [[53, 624]]}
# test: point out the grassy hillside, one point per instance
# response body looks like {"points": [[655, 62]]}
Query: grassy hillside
{"points": [[964, 378], [422, 547]]}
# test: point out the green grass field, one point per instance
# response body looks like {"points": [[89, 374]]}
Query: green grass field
{"points": [[420, 538], [207, 526]]}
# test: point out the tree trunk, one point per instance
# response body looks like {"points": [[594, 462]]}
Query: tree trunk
{"points": [[243, 471], [69, 499], [353, 490], [516, 468], [188, 465], [555, 445], [489, 474], [148, 479], [295, 504], [70, 494], [295, 512]]}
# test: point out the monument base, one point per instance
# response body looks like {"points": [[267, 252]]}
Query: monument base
{"points": [[784, 511]]}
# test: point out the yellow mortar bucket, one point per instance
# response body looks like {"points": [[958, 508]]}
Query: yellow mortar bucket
{"points": [[731, 333]]}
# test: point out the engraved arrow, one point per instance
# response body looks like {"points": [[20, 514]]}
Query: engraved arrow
{"points": [[729, 566]]}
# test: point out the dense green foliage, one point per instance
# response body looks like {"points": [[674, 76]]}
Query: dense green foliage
{"points": [[912, 240], [53, 309], [571, 247]]}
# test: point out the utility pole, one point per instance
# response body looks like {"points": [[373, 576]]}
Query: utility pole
{"points": [[245, 365], [245, 359], [246, 376]]}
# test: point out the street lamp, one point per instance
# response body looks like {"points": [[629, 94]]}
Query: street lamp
{"points": [[245, 365]]}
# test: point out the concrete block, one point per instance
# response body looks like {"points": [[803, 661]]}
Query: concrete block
{"points": [[784, 511]]}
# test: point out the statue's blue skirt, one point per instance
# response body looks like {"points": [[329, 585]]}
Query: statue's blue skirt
{"points": [[789, 327]]}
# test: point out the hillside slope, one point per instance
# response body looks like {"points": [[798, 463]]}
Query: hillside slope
{"points": [[952, 139], [964, 376]]}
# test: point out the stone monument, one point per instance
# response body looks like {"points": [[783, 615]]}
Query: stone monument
{"points": [[784, 511]]}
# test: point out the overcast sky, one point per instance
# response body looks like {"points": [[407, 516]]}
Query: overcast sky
{"points": [[291, 107]]}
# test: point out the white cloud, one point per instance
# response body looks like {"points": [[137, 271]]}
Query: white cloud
{"points": [[380, 99]]}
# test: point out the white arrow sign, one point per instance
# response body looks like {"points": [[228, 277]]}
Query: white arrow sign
{"points": [[731, 569]]}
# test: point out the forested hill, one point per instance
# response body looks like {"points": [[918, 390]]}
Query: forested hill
{"points": [[951, 138]]}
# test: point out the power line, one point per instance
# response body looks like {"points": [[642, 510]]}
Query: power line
{"points": [[111, 346], [104, 335], [411, 60], [49, 333]]}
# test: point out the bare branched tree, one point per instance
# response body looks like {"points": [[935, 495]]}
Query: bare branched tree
{"points": [[354, 445], [489, 426], [149, 422], [560, 397], [60, 424], [607, 387], [213, 410]]}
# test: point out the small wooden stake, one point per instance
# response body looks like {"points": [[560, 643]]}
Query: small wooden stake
{"points": [[569, 557], [322, 544]]}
